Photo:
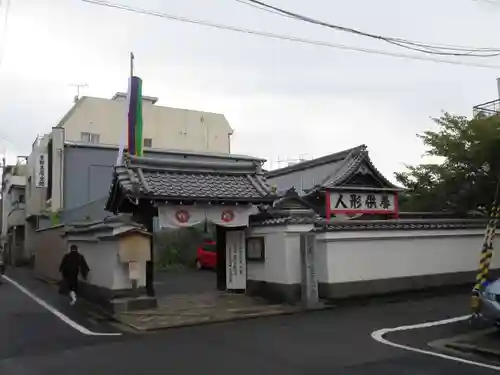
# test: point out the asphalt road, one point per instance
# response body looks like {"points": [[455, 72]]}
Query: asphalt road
{"points": [[337, 341]]}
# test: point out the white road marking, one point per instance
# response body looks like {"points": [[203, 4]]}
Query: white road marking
{"points": [[57, 313], [379, 336]]}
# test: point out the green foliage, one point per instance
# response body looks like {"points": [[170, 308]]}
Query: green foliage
{"points": [[174, 247], [54, 216], [467, 177]]}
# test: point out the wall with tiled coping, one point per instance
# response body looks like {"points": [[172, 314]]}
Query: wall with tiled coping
{"points": [[366, 259]]}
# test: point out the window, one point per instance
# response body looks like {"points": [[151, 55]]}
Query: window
{"points": [[256, 249], [89, 137], [21, 198], [148, 142]]}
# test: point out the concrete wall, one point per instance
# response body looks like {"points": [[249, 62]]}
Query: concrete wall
{"points": [[58, 169], [91, 211], [169, 128], [49, 251], [87, 173], [357, 263]]}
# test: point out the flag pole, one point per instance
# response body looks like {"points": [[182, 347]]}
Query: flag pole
{"points": [[131, 64]]}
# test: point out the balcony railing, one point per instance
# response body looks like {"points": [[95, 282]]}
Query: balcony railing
{"points": [[487, 109]]}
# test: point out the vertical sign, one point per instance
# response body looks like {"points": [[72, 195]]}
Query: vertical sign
{"points": [[236, 267], [41, 170], [309, 279]]}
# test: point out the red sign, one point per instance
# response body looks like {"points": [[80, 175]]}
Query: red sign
{"points": [[182, 216], [227, 216]]}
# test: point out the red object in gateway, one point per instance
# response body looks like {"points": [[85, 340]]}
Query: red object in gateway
{"points": [[207, 255]]}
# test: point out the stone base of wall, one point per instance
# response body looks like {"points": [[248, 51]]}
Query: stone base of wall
{"points": [[291, 293], [274, 292], [115, 301], [400, 284]]}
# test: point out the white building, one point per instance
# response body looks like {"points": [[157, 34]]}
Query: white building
{"points": [[103, 121], [13, 211]]}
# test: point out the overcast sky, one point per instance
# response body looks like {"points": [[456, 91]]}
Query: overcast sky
{"points": [[282, 98]]}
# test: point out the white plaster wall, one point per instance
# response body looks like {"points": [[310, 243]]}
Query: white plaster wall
{"points": [[101, 258], [371, 255], [282, 255], [106, 270], [121, 280], [273, 269]]}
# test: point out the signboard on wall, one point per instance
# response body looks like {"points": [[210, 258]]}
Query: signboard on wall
{"points": [[236, 267], [355, 202], [41, 171]]}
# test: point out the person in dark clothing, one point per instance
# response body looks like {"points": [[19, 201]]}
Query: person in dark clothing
{"points": [[73, 264]]}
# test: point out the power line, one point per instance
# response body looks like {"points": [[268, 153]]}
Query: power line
{"points": [[284, 37], [404, 43], [258, 7]]}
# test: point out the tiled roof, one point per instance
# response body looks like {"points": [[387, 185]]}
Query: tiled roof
{"points": [[338, 157], [334, 170], [109, 227], [350, 165], [288, 220], [422, 224], [193, 177]]}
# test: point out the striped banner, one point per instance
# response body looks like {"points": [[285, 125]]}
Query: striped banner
{"points": [[135, 117], [485, 258], [487, 249]]}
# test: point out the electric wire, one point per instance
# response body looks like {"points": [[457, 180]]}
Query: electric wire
{"points": [[285, 37], [400, 42]]}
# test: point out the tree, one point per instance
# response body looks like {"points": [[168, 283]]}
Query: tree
{"points": [[467, 177]]}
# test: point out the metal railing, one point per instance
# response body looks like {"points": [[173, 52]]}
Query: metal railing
{"points": [[491, 108]]}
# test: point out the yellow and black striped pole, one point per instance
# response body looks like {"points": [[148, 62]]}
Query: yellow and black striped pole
{"points": [[486, 256]]}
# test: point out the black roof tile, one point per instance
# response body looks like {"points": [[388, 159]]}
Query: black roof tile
{"points": [[415, 224], [196, 177]]}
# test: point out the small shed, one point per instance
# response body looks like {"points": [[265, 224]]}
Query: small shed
{"points": [[116, 250]]}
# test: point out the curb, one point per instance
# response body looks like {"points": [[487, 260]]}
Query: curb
{"points": [[251, 316]]}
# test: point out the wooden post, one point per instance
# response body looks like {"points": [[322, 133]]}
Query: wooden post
{"points": [[144, 216], [221, 257]]}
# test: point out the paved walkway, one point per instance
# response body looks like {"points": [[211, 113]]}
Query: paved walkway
{"points": [[188, 309]]}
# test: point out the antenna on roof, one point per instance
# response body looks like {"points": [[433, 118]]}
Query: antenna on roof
{"points": [[78, 87]]}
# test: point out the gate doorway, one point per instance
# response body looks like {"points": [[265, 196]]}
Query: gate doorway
{"points": [[183, 190]]}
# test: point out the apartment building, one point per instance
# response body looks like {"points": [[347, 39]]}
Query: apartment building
{"points": [[102, 121], [13, 210], [69, 170]]}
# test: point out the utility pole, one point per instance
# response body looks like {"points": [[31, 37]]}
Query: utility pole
{"points": [[78, 87]]}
